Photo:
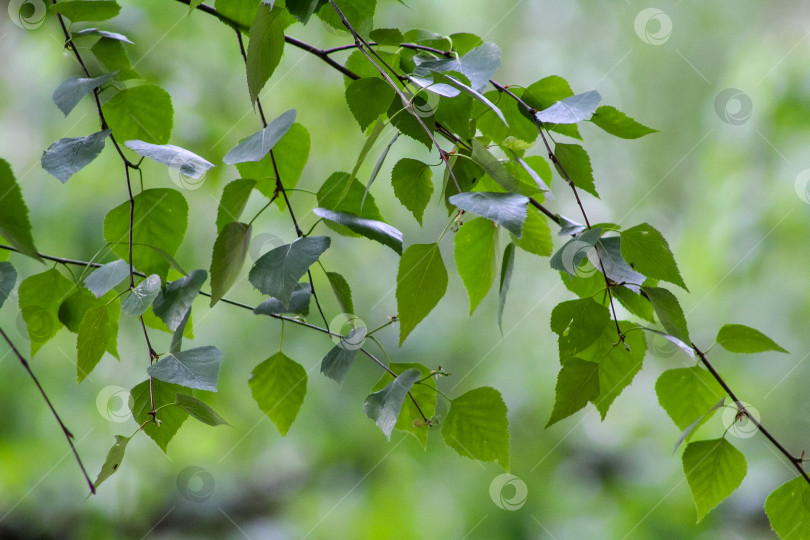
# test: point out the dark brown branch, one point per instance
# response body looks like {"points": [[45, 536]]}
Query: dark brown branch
{"points": [[65, 430]]}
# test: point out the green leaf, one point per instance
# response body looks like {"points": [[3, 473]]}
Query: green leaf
{"points": [[360, 14], [410, 419], [669, 312], [141, 297], [619, 124], [194, 368], [387, 36], [646, 250], [475, 258], [633, 302], [476, 426], [544, 93], [73, 310], [788, 509], [172, 304], [338, 361], [174, 157], [455, 113], [200, 410], [688, 394], [176, 344], [615, 267], [290, 153], [368, 98], [94, 333], [66, 157], [371, 229], [8, 277], [714, 469], [230, 250], [170, 417], [405, 120], [87, 10], [343, 193], [235, 196], [160, 221], [578, 323], [14, 224], [385, 405], [506, 209], [690, 429], [577, 384], [343, 292], [568, 258], [68, 94], [105, 278], [242, 11], [571, 110], [110, 52], [114, 458], [494, 167], [303, 9], [536, 236], [103, 33], [506, 277], [574, 159], [479, 65], [277, 272], [279, 385], [265, 47], [299, 302], [421, 283], [258, 145], [40, 297], [413, 186], [143, 113], [738, 338]]}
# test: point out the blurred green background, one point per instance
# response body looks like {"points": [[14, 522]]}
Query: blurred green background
{"points": [[722, 180]]}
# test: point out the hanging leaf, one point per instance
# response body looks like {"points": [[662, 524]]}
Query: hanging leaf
{"points": [[279, 385], [159, 224], [299, 302], [714, 469], [114, 458], [669, 312], [230, 250], [578, 323], [234, 198], [200, 410], [87, 10], [142, 112], [337, 362], [277, 272], [258, 145], [111, 54], [413, 186], [303, 9], [374, 230], [494, 168], [619, 124], [66, 157], [506, 209], [476, 426], [646, 250], [411, 419], [475, 245], [265, 47], [571, 110], [738, 338], [616, 269], [141, 297], [421, 283], [507, 266], [14, 224], [536, 237], [194, 368], [577, 384], [368, 98], [174, 157], [574, 159], [94, 333], [343, 292], [68, 94], [688, 394], [170, 417], [105, 278], [788, 509], [384, 406], [40, 296], [172, 304], [569, 257]]}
